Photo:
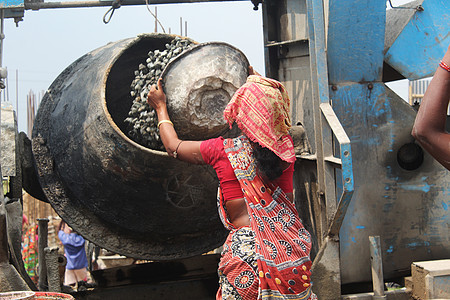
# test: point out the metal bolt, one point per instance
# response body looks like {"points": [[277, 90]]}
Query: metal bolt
{"points": [[321, 196], [284, 50]]}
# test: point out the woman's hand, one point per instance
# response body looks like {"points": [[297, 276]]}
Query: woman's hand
{"points": [[429, 126], [252, 71], [67, 229], [156, 97]]}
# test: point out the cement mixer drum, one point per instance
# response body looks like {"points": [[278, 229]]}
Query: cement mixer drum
{"points": [[124, 197]]}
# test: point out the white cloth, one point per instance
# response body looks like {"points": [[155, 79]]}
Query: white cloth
{"points": [[71, 277]]}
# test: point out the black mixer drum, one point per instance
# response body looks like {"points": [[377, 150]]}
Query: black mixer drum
{"points": [[122, 196]]}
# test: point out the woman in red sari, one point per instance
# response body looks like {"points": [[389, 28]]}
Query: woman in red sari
{"points": [[266, 254]]}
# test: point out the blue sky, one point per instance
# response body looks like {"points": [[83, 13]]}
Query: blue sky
{"points": [[49, 40]]}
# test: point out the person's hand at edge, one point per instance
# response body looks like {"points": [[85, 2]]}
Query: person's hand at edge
{"points": [[156, 97]]}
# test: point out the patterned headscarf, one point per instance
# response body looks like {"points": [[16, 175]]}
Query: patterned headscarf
{"points": [[261, 110]]}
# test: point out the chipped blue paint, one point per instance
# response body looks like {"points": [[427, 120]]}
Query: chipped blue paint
{"points": [[11, 3], [445, 206], [425, 187], [360, 227], [437, 219], [377, 123], [371, 108], [418, 244], [442, 283], [379, 112], [347, 170], [375, 141], [413, 245], [363, 61]]}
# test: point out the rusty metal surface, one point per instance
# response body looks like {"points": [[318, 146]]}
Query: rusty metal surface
{"points": [[116, 193], [396, 20], [9, 148], [199, 83], [422, 41], [10, 279], [326, 270], [407, 208], [14, 226], [8, 140]]}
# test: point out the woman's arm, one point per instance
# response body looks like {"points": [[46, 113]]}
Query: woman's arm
{"points": [[188, 151], [429, 126]]}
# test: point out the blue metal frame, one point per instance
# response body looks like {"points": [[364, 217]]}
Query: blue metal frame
{"points": [[11, 4], [356, 41], [319, 69], [423, 41], [406, 208], [346, 166], [12, 9]]}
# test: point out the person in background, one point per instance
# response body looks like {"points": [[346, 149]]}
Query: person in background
{"points": [[74, 249], [266, 254], [24, 222], [429, 126], [30, 248]]}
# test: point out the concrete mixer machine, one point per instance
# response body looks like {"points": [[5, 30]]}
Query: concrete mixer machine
{"points": [[364, 177]]}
